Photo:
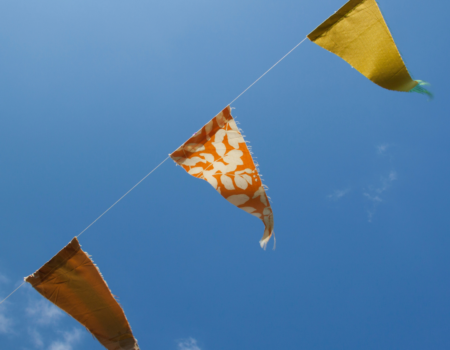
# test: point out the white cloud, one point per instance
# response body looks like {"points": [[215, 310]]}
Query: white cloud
{"points": [[3, 282], [188, 344], [374, 194], [387, 182], [381, 149], [36, 338], [68, 341], [374, 199], [3, 279], [338, 194], [5, 324], [30, 321], [392, 176], [43, 312]]}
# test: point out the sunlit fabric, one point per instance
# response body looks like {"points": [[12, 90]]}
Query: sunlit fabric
{"points": [[359, 34], [218, 154], [72, 282]]}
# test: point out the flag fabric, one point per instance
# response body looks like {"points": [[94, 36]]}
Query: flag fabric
{"points": [[71, 281], [218, 154], [359, 34]]}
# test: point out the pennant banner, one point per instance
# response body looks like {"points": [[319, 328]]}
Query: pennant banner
{"points": [[72, 282], [218, 154], [359, 34]]}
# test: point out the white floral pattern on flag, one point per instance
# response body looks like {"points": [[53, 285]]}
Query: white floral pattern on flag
{"points": [[218, 154]]}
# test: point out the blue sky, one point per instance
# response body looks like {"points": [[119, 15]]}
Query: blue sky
{"points": [[95, 94]]}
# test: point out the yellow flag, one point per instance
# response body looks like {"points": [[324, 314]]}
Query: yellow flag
{"points": [[359, 34], [72, 282]]}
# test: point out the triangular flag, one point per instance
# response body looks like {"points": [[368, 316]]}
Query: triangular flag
{"points": [[218, 154], [71, 281], [359, 34]]}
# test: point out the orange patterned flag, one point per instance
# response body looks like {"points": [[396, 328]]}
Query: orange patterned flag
{"points": [[72, 282], [218, 154]]}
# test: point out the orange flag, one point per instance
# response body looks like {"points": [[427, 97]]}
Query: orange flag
{"points": [[72, 282], [218, 154]]}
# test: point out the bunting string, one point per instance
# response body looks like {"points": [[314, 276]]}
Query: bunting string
{"points": [[93, 222], [131, 189], [281, 59], [355, 45], [15, 290], [145, 177]]}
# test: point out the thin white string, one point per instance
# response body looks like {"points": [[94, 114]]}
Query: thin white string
{"points": [[132, 188], [1, 302], [243, 92], [282, 58]]}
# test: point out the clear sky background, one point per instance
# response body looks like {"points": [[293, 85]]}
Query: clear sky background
{"points": [[95, 94]]}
